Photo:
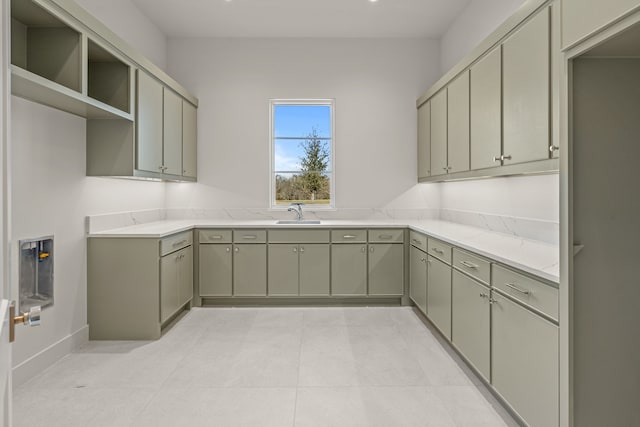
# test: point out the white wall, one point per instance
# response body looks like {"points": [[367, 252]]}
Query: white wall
{"points": [[125, 19], [375, 83], [473, 24]]}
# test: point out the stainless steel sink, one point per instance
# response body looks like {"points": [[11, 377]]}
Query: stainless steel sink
{"points": [[293, 222]]}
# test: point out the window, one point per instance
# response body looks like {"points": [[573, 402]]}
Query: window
{"points": [[302, 140]]}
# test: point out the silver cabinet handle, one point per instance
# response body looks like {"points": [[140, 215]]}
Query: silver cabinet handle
{"points": [[416, 242], [438, 251], [363, 249], [181, 242], [215, 237], [554, 148], [468, 264], [517, 289], [497, 158], [236, 250], [295, 249], [301, 249], [348, 236], [423, 260], [505, 157], [250, 237], [483, 295], [371, 249], [228, 249], [384, 236]]}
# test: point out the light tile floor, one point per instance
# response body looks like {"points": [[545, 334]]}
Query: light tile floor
{"points": [[266, 367]]}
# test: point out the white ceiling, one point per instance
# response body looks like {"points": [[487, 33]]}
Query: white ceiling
{"points": [[302, 18]]}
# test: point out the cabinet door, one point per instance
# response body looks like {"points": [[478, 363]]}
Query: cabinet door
{"points": [[250, 270], [486, 111], [314, 270], [349, 270], [581, 18], [418, 278], [185, 276], [149, 123], [470, 321], [189, 140], [458, 124], [386, 269], [169, 283], [439, 295], [216, 266], [424, 140], [526, 91], [439, 133], [172, 131], [524, 364], [283, 270]]}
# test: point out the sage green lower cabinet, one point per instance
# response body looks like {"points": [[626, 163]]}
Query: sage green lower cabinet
{"points": [[418, 278], [216, 270], [250, 270], [470, 321], [176, 282], [349, 269], [386, 269], [314, 270], [439, 295], [283, 270], [524, 364]]}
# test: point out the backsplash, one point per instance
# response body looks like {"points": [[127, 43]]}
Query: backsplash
{"points": [[526, 228]]}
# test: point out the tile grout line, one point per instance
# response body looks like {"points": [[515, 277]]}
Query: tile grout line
{"points": [[295, 403]]}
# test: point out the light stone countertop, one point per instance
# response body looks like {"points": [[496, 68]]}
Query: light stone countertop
{"points": [[534, 257]]}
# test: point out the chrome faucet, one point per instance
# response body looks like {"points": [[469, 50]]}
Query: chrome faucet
{"points": [[297, 208]]}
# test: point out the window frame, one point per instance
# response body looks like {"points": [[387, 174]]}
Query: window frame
{"points": [[332, 174]]}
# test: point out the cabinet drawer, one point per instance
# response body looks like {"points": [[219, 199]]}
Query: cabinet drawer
{"points": [[473, 265], [418, 240], [298, 236], [531, 292], [249, 236], [439, 250], [214, 236], [348, 236], [387, 235], [175, 242]]}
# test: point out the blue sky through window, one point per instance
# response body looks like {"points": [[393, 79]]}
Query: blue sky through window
{"points": [[297, 121]]}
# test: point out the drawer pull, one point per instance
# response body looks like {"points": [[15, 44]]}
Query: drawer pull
{"points": [[438, 251], [385, 236], [468, 264], [181, 242], [216, 237], [348, 236], [517, 289], [416, 242], [250, 237], [423, 260]]}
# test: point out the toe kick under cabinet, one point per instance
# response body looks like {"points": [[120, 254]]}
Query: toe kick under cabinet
{"points": [[136, 286]]}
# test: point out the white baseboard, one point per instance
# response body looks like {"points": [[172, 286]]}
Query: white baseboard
{"points": [[47, 357]]}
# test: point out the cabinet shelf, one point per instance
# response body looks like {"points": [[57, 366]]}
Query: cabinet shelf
{"points": [[108, 78]]}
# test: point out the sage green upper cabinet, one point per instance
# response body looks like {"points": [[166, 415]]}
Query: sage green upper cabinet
{"points": [[458, 124], [439, 133], [386, 269], [172, 133], [526, 91], [149, 129], [486, 111], [424, 140], [418, 278], [189, 140], [524, 350], [581, 18], [349, 269], [439, 295]]}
